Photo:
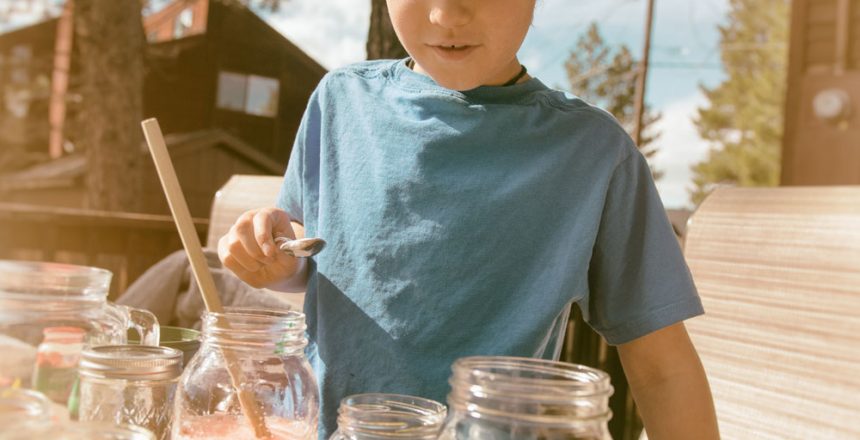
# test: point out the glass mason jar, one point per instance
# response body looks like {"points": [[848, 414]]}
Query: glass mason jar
{"points": [[505, 398], [22, 407], [131, 384], [266, 350], [48, 313], [388, 416], [81, 431]]}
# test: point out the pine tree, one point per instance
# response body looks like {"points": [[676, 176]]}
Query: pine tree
{"points": [[743, 121], [606, 77]]}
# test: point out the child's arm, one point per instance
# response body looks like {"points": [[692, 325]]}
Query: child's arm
{"points": [[249, 249], [669, 385]]}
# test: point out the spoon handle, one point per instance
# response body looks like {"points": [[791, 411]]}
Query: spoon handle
{"points": [[301, 247]]}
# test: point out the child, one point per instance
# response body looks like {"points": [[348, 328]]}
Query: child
{"points": [[465, 206]]}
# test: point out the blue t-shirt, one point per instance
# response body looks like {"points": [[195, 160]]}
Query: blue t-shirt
{"points": [[465, 223]]}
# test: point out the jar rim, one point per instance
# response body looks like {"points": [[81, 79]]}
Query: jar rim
{"points": [[40, 278], [257, 315], [530, 374], [379, 415], [531, 391], [131, 362], [254, 328]]}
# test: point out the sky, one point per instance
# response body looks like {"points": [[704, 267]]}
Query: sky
{"points": [[684, 56]]}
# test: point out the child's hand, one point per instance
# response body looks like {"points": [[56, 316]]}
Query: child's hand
{"points": [[249, 248]]}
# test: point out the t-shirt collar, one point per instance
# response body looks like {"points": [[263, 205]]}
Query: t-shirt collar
{"points": [[418, 82]]}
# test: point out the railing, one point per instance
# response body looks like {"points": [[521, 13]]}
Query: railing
{"points": [[584, 346], [125, 243]]}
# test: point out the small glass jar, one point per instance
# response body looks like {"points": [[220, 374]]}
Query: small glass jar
{"points": [[81, 431], [131, 384], [505, 398], [384, 416], [24, 407], [56, 367], [266, 350]]}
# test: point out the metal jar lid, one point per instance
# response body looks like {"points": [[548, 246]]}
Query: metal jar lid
{"points": [[131, 362]]}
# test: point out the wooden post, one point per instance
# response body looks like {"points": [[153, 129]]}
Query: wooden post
{"points": [[641, 79], [60, 80], [843, 35]]}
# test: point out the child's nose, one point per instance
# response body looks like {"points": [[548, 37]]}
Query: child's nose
{"points": [[450, 13]]}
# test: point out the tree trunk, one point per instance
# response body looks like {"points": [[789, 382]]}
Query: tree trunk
{"points": [[382, 42], [111, 44]]}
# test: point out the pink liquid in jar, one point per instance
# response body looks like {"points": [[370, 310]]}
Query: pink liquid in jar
{"points": [[237, 427]]}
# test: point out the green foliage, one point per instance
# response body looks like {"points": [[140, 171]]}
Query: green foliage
{"points": [[743, 121], [606, 77]]}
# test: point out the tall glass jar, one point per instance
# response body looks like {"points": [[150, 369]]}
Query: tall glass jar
{"points": [[133, 384], [505, 398], [48, 313], [268, 362], [388, 416]]}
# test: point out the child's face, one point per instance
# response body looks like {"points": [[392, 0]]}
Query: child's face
{"points": [[485, 35]]}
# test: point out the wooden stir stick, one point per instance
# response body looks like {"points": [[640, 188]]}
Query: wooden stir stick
{"points": [[191, 243]]}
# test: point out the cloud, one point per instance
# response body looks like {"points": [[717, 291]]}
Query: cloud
{"points": [[333, 32], [16, 14], [679, 147]]}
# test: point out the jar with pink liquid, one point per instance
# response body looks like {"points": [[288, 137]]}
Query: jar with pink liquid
{"points": [[269, 366]]}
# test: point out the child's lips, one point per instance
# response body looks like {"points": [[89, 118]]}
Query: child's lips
{"points": [[453, 52]]}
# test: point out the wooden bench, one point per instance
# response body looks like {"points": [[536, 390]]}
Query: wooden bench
{"points": [[778, 270]]}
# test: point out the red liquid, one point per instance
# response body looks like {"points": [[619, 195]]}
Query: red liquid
{"points": [[231, 427]]}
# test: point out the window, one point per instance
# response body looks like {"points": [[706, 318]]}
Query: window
{"points": [[231, 91], [17, 91], [251, 94], [20, 60], [182, 23], [262, 99]]}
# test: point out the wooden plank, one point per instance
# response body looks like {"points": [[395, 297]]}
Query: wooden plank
{"points": [[796, 64], [843, 35], [778, 270]]}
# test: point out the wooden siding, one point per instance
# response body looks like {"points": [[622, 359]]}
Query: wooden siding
{"points": [[824, 54]]}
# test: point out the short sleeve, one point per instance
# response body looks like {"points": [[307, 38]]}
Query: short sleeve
{"points": [[301, 169], [638, 279]]}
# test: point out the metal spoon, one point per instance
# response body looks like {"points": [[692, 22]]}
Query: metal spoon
{"points": [[301, 247]]}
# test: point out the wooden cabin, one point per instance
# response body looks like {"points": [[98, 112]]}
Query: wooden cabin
{"points": [[217, 65], [228, 90], [821, 145]]}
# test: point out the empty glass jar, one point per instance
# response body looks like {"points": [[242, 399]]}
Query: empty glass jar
{"points": [[504, 398], [80, 431], [265, 353], [132, 384], [23, 407], [48, 313], [388, 416]]}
